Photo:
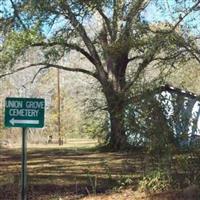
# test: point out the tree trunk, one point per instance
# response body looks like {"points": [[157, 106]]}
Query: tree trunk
{"points": [[113, 88], [117, 139]]}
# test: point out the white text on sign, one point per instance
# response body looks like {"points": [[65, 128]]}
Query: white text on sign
{"points": [[28, 104], [30, 109]]}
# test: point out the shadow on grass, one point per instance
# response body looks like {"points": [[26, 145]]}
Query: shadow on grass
{"points": [[61, 172], [38, 191]]}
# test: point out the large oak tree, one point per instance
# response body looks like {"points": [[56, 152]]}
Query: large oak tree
{"points": [[122, 39]]}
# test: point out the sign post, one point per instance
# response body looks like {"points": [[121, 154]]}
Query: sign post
{"points": [[24, 113], [24, 166]]}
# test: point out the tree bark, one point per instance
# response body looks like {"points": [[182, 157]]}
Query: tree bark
{"points": [[117, 139], [113, 88]]}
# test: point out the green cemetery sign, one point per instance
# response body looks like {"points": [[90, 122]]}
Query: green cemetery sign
{"points": [[24, 112]]}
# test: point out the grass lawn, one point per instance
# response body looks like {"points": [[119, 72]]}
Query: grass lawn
{"points": [[73, 171]]}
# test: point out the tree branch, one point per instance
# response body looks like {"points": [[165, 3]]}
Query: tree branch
{"points": [[141, 67], [186, 14], [82, 32], [181, 18], [135, 7], [70, 15], [16, 14], [134, 58], [107, 22], [70, 45], [191, 51], [188, 47], [115, 19], [49, 65], [17, 70], [174, 56], [148, 57]]}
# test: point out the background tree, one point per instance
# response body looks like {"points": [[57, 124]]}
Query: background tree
{"points": [[121, 37]]}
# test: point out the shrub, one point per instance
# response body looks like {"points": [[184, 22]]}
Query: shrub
{"points": [[124, 181], [187, 169], [155, 181]]}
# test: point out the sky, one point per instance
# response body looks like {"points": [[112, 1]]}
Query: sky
{"points": [[170, 11], [157, 11]]}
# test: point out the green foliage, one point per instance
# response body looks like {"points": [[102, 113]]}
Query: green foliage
{"points": [[155, 181], [187, 75], [112, 36], [187, 169], [92, 181], [94, 128], [15, 45], [124, 181], [146, 123], [70, 116], [107, 169]]}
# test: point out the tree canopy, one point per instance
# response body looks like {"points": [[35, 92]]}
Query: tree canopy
{"points": [[117, 37]]}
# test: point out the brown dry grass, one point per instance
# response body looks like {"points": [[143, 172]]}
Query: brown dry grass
{"points": [[70, 171], [74, 171]]}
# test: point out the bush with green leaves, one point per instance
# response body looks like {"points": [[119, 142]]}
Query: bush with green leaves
{"points": [[155, 181], [124, 181], [187, 169]]}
